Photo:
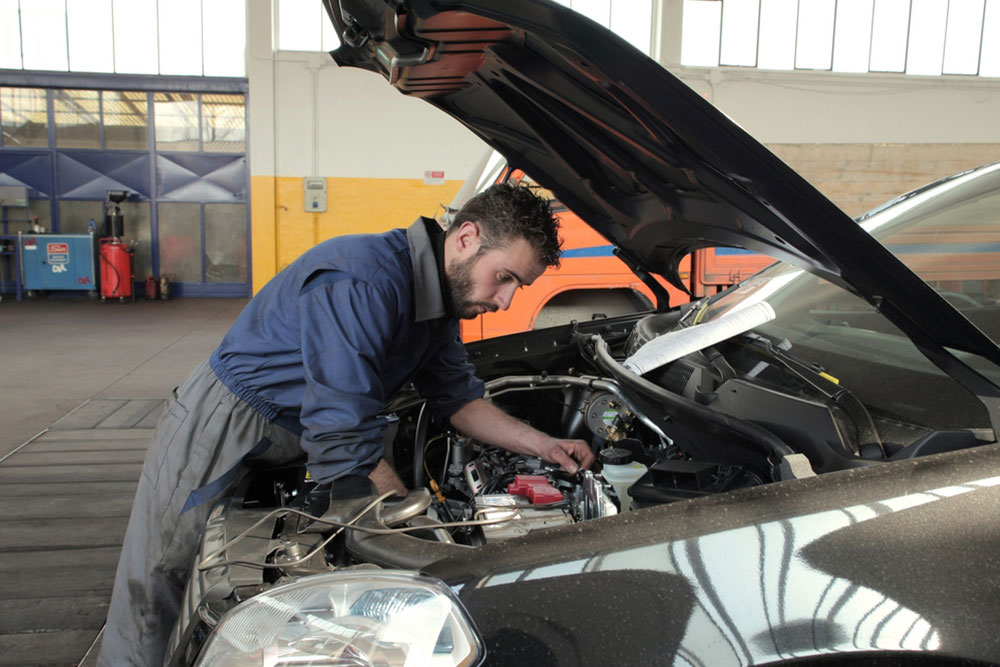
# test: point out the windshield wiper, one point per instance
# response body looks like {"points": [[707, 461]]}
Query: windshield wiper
{"points": [[869, 444]]}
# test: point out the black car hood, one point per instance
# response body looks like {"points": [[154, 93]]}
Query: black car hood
{"points": [[628, 147], [845, 563]]}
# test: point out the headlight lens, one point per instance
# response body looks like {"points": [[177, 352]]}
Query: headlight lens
{"points": [[348, 619]]}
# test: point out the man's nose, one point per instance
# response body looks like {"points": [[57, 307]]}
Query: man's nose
{"points": [[505, 296]]}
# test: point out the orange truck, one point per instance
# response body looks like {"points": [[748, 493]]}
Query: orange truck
{"points": [[591, 282]]}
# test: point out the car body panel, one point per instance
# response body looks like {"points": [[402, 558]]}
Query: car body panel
{"points": [[628, 147], [891, 558]]}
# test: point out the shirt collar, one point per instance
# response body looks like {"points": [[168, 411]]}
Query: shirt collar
{"points": [[426, 241]]}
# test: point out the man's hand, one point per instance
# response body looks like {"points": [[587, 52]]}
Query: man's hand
{"points": [[485, 422], [572, 455]]}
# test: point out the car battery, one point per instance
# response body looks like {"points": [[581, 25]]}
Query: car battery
{"points": [[58, 262]]}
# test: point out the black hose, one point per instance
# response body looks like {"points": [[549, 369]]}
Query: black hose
{"points": [[395, 550], [117, 274], [419, 440], [685, 409]]}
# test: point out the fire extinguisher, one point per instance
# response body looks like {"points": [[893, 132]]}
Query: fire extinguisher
{"points": [[116, 269]]}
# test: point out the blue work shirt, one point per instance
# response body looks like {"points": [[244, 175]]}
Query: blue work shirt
{"points": [[330, 338]]}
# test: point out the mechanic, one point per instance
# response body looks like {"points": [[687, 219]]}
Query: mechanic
{"points": [[307, 367]]}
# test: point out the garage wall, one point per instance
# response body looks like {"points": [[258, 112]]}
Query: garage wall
{"points": [[371, 144], [860, 139], [859, 177]]}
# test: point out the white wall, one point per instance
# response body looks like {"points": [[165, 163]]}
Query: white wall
{"points": [[804, 107], [371, 130], [365, 129]]}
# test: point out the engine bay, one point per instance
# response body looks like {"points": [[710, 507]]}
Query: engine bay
{"points": [[701, 425]]}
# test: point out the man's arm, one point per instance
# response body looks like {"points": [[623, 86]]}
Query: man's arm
{"points": [[483, 421]]}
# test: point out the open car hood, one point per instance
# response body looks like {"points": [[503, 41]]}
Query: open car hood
{"points": [[629, 148]]}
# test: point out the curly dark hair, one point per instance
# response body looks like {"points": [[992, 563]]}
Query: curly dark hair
{"points": [[506, 212]]}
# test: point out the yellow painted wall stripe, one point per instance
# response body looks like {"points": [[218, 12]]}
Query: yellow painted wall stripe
{"points": [[281, 228]]}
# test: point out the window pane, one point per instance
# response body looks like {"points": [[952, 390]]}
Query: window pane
{"points": [[223, 123], [330, 39], [928, 19], [135, 36], [814, 49], [225, 243], [298, 29], [180, 37], [962, 41], [43, 28], [180, 241], [176, 121], [74, 216], [853, 35], [776, 47], [91, 48], [890, 25], [78, 118], [224, 32], [598, 11], [739, 32], [24, 116], [137, 228], [40, 210], [632, 20], [700, 33], [989, 63], [10, 35], [125, 120]]}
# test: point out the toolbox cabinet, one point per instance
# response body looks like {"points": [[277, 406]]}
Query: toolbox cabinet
{"points": [[58, 262]]}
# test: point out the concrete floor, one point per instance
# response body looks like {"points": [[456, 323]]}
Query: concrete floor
{"points": [[82, 382]]}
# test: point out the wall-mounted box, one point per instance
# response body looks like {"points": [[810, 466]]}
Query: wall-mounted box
{"points": [[315, 195]]}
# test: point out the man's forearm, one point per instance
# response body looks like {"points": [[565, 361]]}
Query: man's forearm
{"points": [[385, 479], [483, 421]]}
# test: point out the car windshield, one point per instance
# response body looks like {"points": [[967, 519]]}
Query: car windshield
{"points": [[949, 235]]}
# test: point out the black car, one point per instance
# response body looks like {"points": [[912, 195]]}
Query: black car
{"points": [[800, 469]]}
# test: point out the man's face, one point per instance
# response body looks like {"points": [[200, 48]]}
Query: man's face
{"points": [[486, 282]]}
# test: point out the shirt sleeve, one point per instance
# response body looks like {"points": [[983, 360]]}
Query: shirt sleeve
{"points": [[346, 329], [448, 381]]}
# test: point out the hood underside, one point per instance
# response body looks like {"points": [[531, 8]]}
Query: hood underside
{"points": [[628, 147]]}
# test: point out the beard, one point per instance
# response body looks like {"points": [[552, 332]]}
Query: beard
{"points": [[459, 284]]}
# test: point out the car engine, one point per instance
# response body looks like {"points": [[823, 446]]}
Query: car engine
{"points": [[659, 438]]}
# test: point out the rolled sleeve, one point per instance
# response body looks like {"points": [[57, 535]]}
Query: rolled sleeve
{"points": [[346, 330]]}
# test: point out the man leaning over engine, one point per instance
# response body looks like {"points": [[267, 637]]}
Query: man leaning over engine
{"points": [[307, 367]]}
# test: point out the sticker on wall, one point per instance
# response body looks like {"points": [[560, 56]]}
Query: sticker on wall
{"points": [[434, 178]]}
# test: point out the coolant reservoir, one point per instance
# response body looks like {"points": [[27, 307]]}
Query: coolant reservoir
{"points": [[621, 472]]}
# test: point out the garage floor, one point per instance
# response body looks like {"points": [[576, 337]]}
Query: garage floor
{"points": [[83, 383]]}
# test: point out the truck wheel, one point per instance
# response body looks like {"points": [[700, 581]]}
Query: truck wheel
{"points": [[593, 304]]}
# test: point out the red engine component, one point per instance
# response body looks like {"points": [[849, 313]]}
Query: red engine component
{"points": [[116, 269], [535, 488]]}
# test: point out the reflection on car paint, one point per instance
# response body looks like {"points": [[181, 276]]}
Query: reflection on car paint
{"points": [[758, 599]]}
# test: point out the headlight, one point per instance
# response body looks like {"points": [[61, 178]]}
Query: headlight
{"points": [[347, 619]]}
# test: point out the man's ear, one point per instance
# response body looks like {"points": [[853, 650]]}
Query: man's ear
{"points": [[466, 238]]}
